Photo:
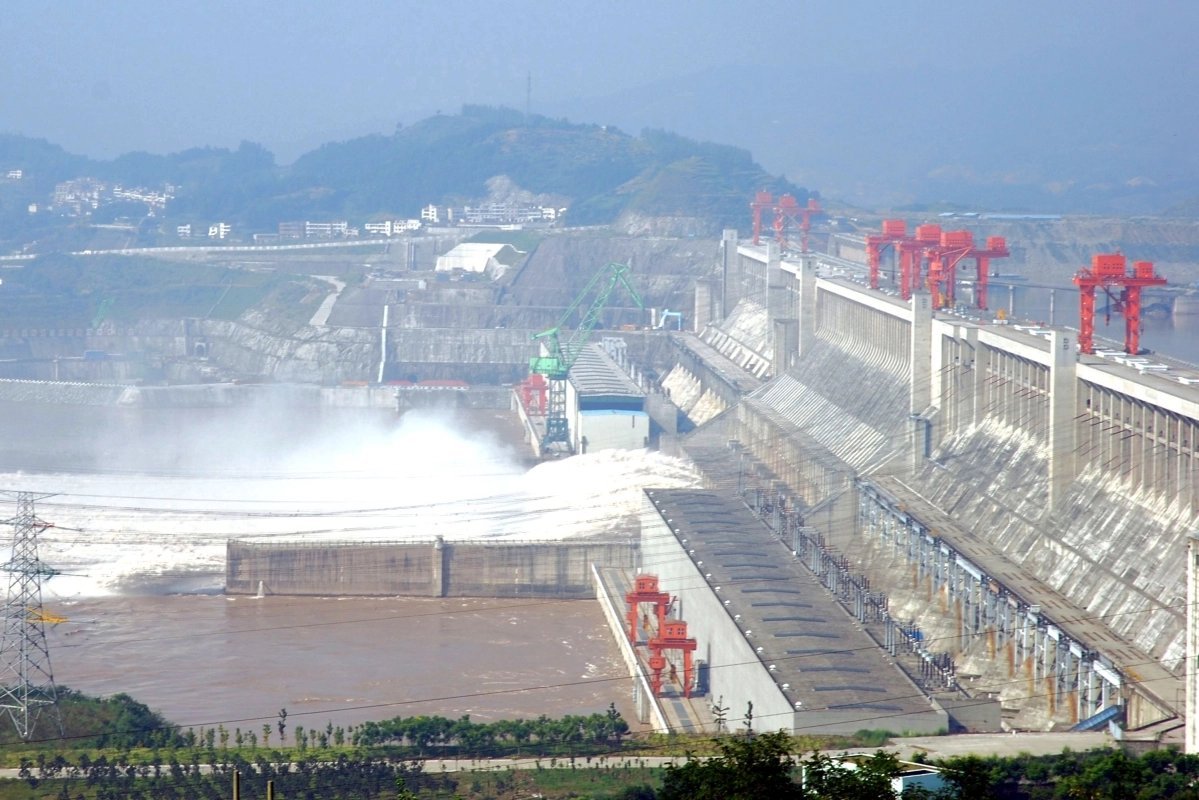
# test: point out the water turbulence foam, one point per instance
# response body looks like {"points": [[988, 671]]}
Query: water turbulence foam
{"points": [[163, 529]]}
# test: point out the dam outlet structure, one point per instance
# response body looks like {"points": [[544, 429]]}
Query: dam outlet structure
{"points": [[1024, 503], [430, 568]]}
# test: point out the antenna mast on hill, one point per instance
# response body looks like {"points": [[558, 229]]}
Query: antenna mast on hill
{"points": [[26, 681], [528, 97]]}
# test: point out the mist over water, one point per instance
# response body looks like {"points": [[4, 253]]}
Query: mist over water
{"points": [[144, 500]]}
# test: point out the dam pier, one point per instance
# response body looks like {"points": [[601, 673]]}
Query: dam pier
{"points": [[911, 514], [1000, 519], [1025, 505]]}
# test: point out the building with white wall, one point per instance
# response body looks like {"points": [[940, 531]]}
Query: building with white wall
{"points": [[605, 408], [479, 257]]}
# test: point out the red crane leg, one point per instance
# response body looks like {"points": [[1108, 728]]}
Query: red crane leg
{"points": [[761, 201], [905, 274], [657, 663], [935, 277], [873, 258], [983, 264], [1086, 320], [645, 590], [1132, 320]]}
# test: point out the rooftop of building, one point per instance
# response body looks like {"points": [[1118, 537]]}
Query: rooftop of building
{"points": [[809, 643], [596, 373]]}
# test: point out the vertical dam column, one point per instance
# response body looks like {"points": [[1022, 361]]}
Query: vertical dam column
{"points": [[702, 313], [807, 303], [383, 345], [441, 555], [760, 283], [730, 273], [778, 293], [785, 345], [955, 385], [921, 376], [978, 376], [779, 311], [1063, 402]]}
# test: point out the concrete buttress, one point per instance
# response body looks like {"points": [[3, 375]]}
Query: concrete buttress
{"points": [[1063, 402]]}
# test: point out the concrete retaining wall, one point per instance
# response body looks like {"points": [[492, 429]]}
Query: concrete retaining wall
{"points": [[225, 395], [431, 568], [64, 393], [649, 709], [736, 672]]}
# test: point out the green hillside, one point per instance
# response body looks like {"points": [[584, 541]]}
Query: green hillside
{"points": [[601, 171], [598, 171]]}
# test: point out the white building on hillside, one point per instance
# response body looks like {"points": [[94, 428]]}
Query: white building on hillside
{"points": [[479, 257]]}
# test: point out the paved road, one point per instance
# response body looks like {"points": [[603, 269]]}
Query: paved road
{"points": [[1004, 745], [212, 248], [934, 747]]}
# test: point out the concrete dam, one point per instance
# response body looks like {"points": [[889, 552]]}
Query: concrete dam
{"points": [[440, 568], [911, 518], [1025, 506], [1003, 520]]}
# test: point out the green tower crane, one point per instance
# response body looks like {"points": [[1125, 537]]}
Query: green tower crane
{"points": [[558, 357]]}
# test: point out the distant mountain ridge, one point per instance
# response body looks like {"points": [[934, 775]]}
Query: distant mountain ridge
{"points": [[600, 172], [1012, 135]]}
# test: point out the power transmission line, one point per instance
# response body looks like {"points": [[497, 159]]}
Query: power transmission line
{"points": [[28, 682]]}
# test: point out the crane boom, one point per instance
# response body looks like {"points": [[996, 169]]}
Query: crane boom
{"points": [[561, 357], [557, 357]]}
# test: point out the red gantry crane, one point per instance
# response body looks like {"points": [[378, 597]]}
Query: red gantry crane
{"points": [[668, 635], [944, 251], [1108, 272], [789, 210], [894, 232], [943, 260], [911, 257], [996, 248], [762, 201], [671, 636], [645, 590]]}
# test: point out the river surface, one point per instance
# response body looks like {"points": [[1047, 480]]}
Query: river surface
{"points": [[1176, 336], [209, 659], [142, 501]]}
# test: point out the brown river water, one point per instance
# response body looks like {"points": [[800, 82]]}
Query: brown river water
{"points": [[140, 588], [209, 659]]}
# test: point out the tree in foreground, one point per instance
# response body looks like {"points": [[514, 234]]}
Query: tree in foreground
{"points": [[827, 779], [746, 769], [762, 767]]}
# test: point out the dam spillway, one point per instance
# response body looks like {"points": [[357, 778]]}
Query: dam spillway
{"points": [[440, 568], [1052, 492], [1026, 506]]}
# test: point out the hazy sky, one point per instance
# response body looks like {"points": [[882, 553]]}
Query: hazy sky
{"points": [[102, 77]]}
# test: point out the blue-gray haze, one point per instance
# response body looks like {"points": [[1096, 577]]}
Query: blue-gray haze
{"points": [[1019, 103]]}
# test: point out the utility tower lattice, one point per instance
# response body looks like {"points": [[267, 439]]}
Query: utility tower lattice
{"points": [[26, 681]]}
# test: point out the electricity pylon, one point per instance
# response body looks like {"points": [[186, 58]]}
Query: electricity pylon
{"points": [[26, 681]]}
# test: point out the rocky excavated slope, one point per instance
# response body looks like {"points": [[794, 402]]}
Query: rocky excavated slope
{"points": [[1052, 251]]}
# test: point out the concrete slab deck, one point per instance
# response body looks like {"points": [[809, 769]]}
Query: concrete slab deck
{"points": [[721, 366], [816, 648]]}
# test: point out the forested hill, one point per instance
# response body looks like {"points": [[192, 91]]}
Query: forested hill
{"points": [[599, 172]]}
